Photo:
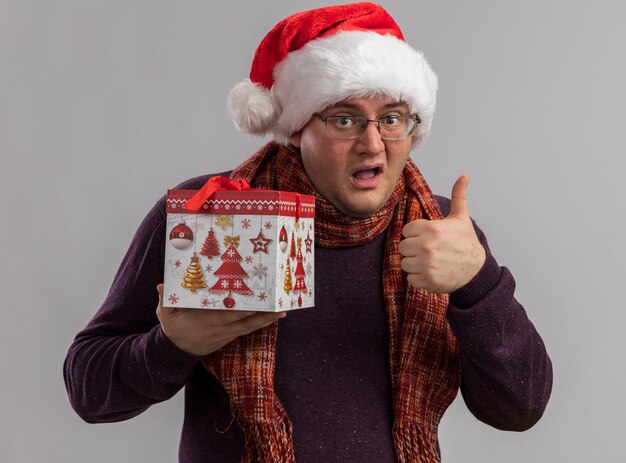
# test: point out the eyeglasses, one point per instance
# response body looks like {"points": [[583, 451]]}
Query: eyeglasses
{"points": [[352, 127]]}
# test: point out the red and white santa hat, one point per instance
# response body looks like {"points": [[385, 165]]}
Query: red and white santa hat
{"points": [[314, 59]]}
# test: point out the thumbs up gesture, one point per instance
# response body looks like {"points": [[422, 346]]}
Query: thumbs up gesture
{"points": [[441, 256]]}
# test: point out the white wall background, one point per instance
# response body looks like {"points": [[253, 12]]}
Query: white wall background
{"points": [[105, 104]]}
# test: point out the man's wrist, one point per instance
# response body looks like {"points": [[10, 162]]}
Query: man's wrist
{"points": [[479, 286]]}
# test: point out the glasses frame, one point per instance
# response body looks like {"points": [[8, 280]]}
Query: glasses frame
{"points": [[413, 117]]}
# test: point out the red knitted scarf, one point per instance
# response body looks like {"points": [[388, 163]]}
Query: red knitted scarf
{"points": [[425, 360]]}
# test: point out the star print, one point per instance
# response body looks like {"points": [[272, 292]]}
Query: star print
{"points": [[308, 242], [260, 243]]}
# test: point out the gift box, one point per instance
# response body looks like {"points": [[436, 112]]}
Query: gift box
{"points": [[230, 246]]}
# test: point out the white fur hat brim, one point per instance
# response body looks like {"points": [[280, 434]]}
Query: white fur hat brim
{"points": [[328, 70]]}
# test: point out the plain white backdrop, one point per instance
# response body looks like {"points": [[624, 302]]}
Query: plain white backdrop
{"points": [[106, 104]]}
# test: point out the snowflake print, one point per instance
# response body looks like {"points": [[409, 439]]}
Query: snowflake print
{"points": [[208, 268], [205, 302], [293, 303], [268, 225], [309, 268], [310, 292], [173, 298], [224, 221], [260, 270], [249, 260], [246, 223], [177, 264], [280, 302], [262, 296]]}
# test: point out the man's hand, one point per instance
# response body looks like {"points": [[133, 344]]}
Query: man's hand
{"points": [[441, 256], [200, 332]]}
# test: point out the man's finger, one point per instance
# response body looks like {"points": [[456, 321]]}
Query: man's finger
{"points": [[232, 316], [458, 201], [414, 228], [259, 320]]}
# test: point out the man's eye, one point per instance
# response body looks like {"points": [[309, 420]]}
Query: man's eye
{"points": [[390, 120], [344, 122]]}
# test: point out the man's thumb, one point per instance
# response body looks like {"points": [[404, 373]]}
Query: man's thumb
{"points": [[458, 201]]}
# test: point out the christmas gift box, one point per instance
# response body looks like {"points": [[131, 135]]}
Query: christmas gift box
{"points": [[230, 246]]}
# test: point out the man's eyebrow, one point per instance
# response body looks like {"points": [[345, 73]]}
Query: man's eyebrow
{"points": [[348, 105]]}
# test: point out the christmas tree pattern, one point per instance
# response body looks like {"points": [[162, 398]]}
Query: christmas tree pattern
{"points": [[211, 247], [299, 274], [288, 286], [194, 279], [231, 274], [292, 251]]}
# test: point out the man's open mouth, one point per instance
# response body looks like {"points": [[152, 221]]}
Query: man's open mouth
{"points": [[366, 174]]}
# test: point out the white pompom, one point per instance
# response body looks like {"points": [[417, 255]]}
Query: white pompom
{"points": [[252, 108]]}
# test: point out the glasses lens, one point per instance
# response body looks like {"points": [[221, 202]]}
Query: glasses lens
{"points": [[345, 126], [394, 127], [352, 127]]}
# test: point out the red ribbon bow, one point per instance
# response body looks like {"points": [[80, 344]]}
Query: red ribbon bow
{"points": [[211, 186]]}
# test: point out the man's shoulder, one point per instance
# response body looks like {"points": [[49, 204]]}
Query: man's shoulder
{"points": [[196, 183]]}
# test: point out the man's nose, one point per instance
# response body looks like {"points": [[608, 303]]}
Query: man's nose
{"points": [[370, 141]]}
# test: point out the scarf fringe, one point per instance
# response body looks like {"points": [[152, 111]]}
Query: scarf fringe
{"points": [[414, 444], [268, 442]]}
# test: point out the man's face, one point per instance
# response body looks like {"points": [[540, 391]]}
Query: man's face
{"points": [[356, 176]]}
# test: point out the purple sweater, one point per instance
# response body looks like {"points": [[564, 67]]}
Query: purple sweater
{"points": [[332, 371]]}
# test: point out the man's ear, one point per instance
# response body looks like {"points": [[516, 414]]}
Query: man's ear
{"points": [[296, 138]]}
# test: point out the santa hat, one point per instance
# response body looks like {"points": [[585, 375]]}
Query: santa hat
{"points": [[314, 59]]}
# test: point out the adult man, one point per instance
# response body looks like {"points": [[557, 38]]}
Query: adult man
{"points": [[410, 304]]}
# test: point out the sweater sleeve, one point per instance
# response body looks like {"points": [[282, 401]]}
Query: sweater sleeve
{"points": [[122, 363], [506, 372]]}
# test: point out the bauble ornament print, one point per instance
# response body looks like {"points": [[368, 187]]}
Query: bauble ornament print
{"points": [[282, 239], [181, 236], [229, 302]]}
